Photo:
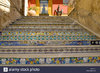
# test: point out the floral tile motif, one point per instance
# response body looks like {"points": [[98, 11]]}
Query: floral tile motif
{"points": [[59, 60]]}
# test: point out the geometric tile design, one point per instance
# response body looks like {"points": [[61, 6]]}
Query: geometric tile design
{"points": [[58, 60], [47, 38], [43, 43], [47, 43], [47, 35]]}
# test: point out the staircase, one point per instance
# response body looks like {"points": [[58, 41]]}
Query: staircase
{"points": [[48, 40]]}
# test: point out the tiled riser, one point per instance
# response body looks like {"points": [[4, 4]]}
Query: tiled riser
{"points": [[47, 37], [59, 60], [45, 43], [45, 33], [58, 35]]}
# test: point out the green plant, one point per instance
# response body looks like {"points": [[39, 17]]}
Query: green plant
{"points": [[30, 8], [33, 8]]}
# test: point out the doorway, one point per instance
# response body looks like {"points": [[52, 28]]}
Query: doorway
{"points": [[43, 6]]}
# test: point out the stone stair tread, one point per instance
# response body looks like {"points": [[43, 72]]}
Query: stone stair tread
{"points": [[59, 25]]}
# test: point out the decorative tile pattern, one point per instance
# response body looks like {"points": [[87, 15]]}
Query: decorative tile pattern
{"points": [[47, 35], [47, 43], [47, 38], [43, 43], [45, 26], [41, 34], [59, 60]]}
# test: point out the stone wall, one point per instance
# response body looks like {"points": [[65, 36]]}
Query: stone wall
{"points": [[9, 11], [87, 12]]}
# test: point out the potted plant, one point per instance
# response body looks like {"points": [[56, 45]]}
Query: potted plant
{"points": [[32, 11]]}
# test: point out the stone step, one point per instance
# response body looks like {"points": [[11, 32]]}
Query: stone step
{"points": [[49, 50], [45, 17], [49, 43], [29, 20], [47, 35], [43, 27], [44, 20]]}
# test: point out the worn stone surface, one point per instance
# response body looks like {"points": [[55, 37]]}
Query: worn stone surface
{"points": [[8, 12], [45, 20], [87, 12]]}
